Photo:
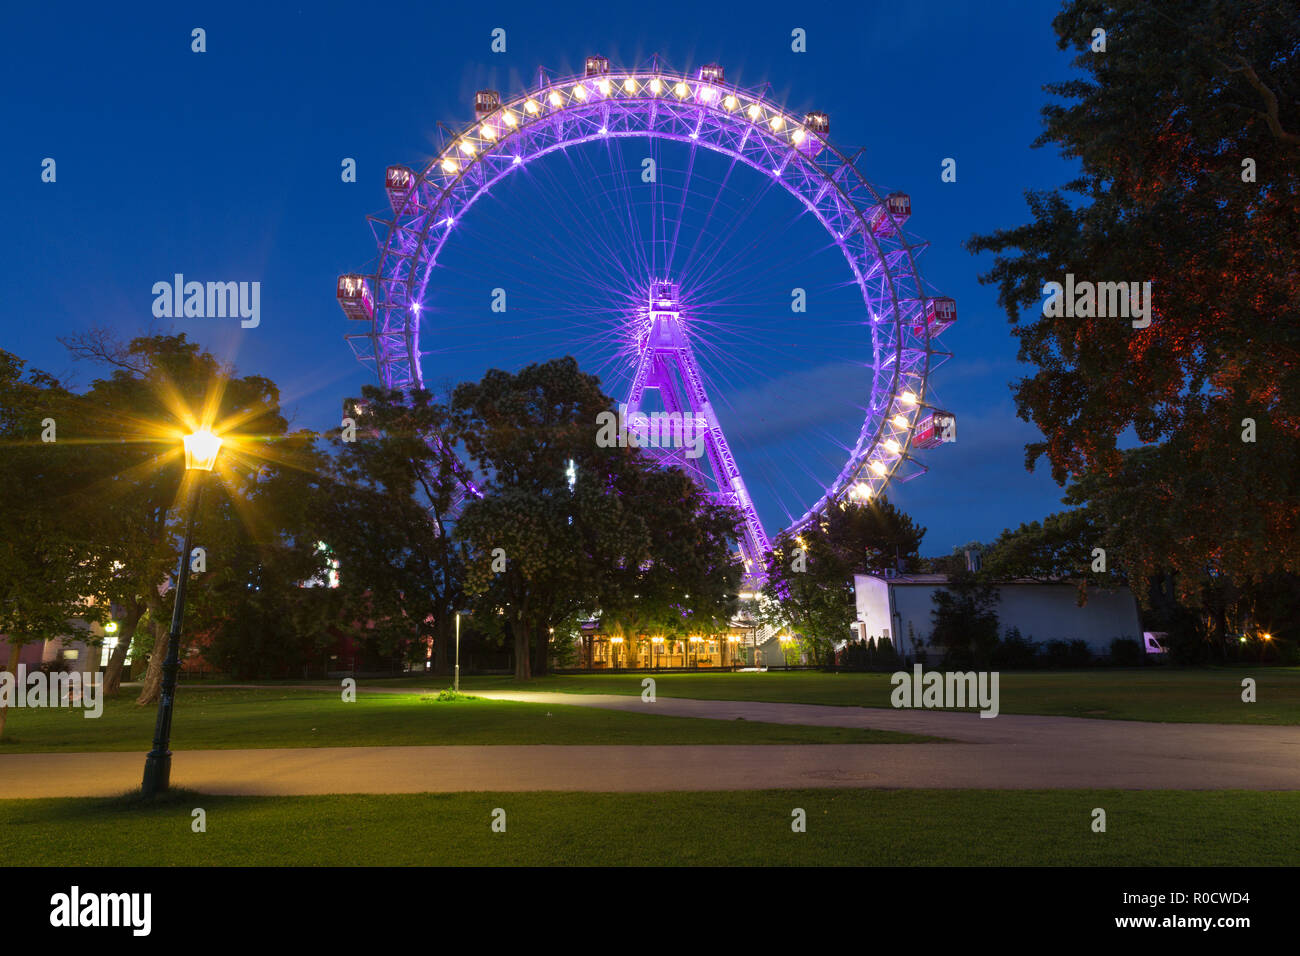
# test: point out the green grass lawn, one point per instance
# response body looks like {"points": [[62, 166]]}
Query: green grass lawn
{"points": [[844, 827], [288, 717], [1150, 693]]}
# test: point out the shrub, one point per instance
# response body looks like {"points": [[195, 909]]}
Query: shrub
{"points": [[883, 654], [1015, 651], [448, 694], [1126, 652]]}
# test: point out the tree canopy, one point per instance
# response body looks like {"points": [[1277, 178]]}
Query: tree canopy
{"points": [[1187, 135]]}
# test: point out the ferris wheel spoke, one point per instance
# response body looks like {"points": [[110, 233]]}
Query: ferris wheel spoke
{"points": [[575, 237]]}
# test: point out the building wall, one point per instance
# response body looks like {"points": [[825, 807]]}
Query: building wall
{"points": [[872, 596], [1043, 612]]}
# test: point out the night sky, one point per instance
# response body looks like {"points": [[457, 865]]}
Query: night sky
{"points": [[225, 166]]}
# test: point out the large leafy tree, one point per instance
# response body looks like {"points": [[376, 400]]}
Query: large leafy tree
{"points": [[1063, 547], [43, 575], [1187, 133], [260, 617], [1144, 513], [809, 583], [539, 546], [547, 543], [386, 522], [690, 576], [132, 500]]}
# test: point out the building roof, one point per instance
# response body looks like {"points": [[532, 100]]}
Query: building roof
{"points": [[937, 580]]}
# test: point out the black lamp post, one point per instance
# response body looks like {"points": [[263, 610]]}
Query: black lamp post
{"points": [[200, 456]]}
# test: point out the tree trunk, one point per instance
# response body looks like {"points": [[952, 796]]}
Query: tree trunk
{"points": [[152, 688], [113, 675], [444, 646], [542, 647], [12, 667], [523, 651]]}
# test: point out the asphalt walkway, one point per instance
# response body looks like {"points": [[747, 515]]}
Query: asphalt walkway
{"points": [[1011, 751]]}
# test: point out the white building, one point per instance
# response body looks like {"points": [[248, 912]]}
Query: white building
{"points": [[901, 605]]}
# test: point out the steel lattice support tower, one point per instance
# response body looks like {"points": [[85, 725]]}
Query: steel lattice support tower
{"points": [[666, 363]]}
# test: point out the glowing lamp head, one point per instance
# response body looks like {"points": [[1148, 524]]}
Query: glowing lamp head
{"points": [[201, 449], [754, 111], [730, 102], [681, 89], [900, 421], [893, 445], [656, 86], [531, 106], [879, 468], [908, 398], [555, 98]]}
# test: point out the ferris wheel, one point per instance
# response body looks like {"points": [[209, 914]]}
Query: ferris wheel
{"points": [[637, 270]]}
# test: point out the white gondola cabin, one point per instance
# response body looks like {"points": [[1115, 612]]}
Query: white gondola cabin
{"points": [[817, 122], [355, 298], [938, 315], [890, 215], [934, 429], [486, 102], [398, 181]]}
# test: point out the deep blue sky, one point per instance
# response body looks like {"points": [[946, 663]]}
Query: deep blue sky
{"points": [[226, 166]]}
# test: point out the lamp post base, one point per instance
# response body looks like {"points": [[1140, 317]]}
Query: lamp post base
{"points": [[157, 773]]}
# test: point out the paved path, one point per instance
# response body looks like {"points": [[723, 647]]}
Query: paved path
{"points": [[1011, 751]]}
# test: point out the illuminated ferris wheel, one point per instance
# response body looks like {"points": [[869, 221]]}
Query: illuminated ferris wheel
{"points": [[656, 314]]}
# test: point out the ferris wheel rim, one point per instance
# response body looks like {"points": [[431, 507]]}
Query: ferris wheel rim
{"points": [[866, 453]]}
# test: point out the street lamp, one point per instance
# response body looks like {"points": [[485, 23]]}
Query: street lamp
{"points": [[201, 449], [456, 684]]}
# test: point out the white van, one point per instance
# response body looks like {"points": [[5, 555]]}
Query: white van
{"points": [[1153, 642]]}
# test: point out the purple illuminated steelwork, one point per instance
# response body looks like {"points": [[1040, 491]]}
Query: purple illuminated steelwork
{"points": [[900, 316], [666, 363]]}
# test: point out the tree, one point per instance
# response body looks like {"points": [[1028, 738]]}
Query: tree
{"points": [[538, 548], [547, 542], [1146, 510], [810, 575], [1062, 548], [43, 576], [131, 423], [1188, 138], [263, 603], [965, 620], [955, 562], [386, 521], [689, 578]]}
